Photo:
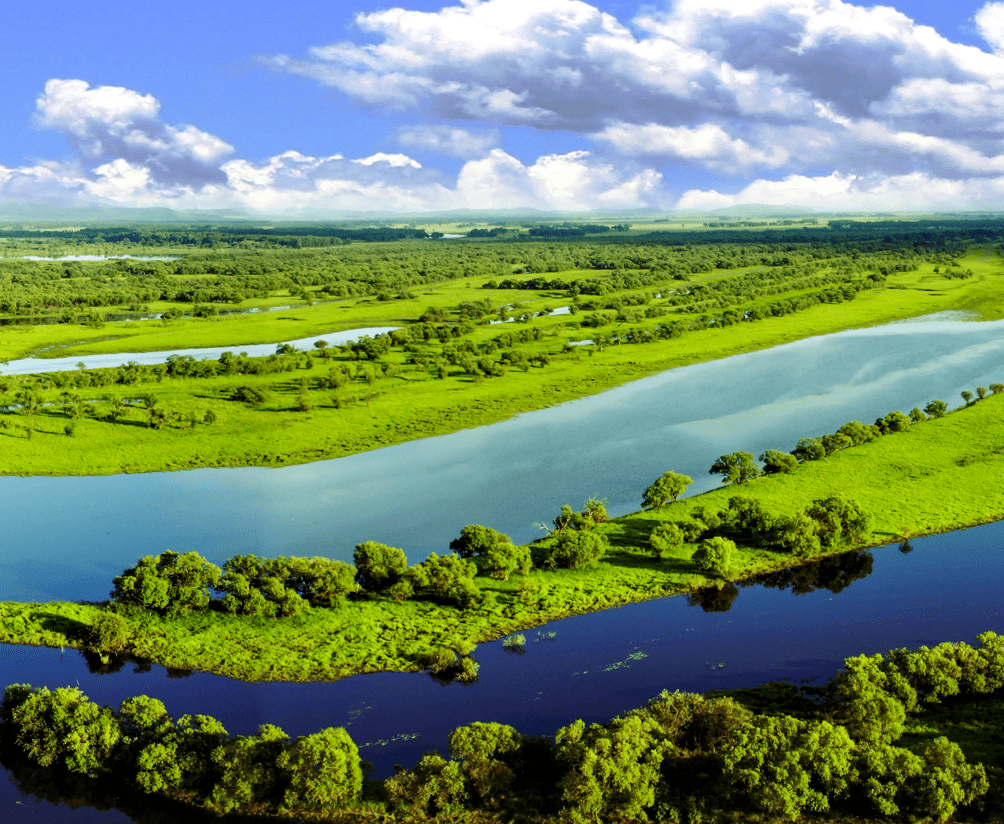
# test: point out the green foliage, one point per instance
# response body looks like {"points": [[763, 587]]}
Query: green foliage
{"points": [[809, 449], [378, 566], [668, 487], [502, 560], [714, 555], [477, 540], [785, 765], [839, 520], [433, 787], [448, 580], [797, 534], [665, 539], [613, 769], [248, 770], [944, 783], [64, 727], [169, 583], [108, 632], [776, 462], [482, 749], [322, 771], [936, 409], [736, 468], [574, 549], [866, 701]]}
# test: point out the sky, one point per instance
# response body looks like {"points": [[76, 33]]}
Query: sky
{"points": [[318, 108]]}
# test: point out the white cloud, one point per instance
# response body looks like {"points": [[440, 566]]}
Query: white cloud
{"points": [[449, 141], [990, 24], [110, 123]]}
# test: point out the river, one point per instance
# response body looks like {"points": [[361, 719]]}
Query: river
{"points": [[66, 538]]}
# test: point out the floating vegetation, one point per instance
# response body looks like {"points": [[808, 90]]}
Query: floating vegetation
{"points": [[545, 636], [634, 656], [383, 742]]}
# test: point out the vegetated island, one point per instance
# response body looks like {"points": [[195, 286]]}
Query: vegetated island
{"points": [[909, 736], [316, 619], [648, 302]]}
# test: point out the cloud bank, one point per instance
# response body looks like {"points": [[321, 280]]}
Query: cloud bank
{"points": [[811, 102]]}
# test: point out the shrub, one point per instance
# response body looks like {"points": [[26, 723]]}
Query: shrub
{"points": [[665, 539], [714, 555], [378, 566], [108, 632], [574, 549]]}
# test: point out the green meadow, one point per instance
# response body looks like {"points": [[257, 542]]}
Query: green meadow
{"points": [[397, 399]]}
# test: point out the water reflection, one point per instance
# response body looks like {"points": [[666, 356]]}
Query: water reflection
{"points": [[834, 574]]}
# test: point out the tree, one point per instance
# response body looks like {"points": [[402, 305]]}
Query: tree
{"points": [[809, 449], [777, 462], [981, 392], [839, 520], [378, 566], [433, 787], [170, 583], [736, 468], [896, 421], [64, 727], [108, 632], [966, 396], [936, 408], [502, 560], [834, 442], [248, 770], [916, 416], [477, 540], [482, 748], [714, 555], [796, 534], [665, 539], [785, 765], [322, 770], [574, 549], [449, 579], [997, 388], [669, 486], [614, 769]]}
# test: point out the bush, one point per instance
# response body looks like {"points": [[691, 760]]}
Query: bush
{"points": [[477, 540], [665, 539], [109, 633], [378, 566], [170, 583], [502, 560], [668, 487], [574, 549], [714, 555], [448, 579]]}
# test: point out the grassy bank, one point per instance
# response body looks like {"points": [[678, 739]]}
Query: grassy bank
{"points": [[304, 422], [938, 475]]}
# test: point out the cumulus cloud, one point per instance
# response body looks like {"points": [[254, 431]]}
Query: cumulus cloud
{"points": [[107, 124], [447, 140], [724, 85]]}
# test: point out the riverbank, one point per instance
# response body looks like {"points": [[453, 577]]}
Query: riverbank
{"points": [[938, 475], [413, 391]]}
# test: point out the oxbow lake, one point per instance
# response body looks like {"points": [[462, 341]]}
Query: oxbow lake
{"points": [[67, 537]]}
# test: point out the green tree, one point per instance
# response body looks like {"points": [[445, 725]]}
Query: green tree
{"points": [[936, 409], [916, 416], [981, 392], [997, 388], [777, 462], [896, 421], [108, 632], [785, 765], [433, 787], [665, 539], [714, 555], [477, 540], [181, 758], [322, 771], [482, 749], [809, 449], [668, 487], [574, 549], [378, 566], [967, 396], [502, 560], [64, 727], [449, 579], [248, 770], [170, 583], [736, 468], [614, 769], [839, 520]]}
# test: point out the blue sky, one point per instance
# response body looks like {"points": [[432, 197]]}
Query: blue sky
{"points": [[500, 103]]}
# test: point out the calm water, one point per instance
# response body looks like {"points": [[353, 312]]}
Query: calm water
{"points": [[597, 665], [29, 366], [418, 495]]}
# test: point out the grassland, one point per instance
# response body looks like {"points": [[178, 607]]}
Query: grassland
{"points": [[413, 402], [939, 475]]}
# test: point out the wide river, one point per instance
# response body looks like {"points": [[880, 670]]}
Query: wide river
{"points": [[66, 538]]}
